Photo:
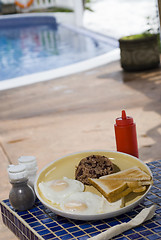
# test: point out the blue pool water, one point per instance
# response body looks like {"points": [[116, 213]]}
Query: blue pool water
{"points": [[34, 45]]}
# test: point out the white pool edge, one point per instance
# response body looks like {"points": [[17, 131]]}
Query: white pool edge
{"points": [[61, 72]]}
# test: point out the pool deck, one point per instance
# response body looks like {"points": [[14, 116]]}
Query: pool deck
{"points": [[75, 113]]}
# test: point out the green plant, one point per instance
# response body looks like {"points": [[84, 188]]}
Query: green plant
{"points": [[86, 5], [52, 9], [137, 36]]}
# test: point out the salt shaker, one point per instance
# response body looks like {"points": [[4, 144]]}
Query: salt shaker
{"points": [[125, 134], [31, 167], [21, 195]]}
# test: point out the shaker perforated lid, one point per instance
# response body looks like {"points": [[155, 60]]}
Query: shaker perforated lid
{"points": [[124, 120], [28, 161], [16, 172]]}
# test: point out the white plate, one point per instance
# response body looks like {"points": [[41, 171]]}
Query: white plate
{"points": [[65, 166]]}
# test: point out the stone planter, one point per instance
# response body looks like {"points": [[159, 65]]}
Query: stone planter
{"points": [[139, 53]]}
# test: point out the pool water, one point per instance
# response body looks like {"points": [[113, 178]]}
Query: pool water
{"points": [[27, 49]]}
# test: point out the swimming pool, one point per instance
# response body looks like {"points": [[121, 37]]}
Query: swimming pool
{"points": [[38, 48]]}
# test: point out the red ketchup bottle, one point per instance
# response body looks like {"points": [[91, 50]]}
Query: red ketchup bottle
{"points": [[125, 134]]}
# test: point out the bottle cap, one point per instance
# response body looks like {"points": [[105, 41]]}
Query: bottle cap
{"points": [[124, 120], [16, 172], [28, 161]]}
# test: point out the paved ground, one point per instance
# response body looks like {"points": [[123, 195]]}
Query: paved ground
{"points": [[75, 113]]}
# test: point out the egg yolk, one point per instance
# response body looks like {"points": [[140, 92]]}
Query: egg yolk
{"points": [[59, 185], [75, 206]]}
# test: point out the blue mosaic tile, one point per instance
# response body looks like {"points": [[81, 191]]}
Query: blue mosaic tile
{"points": [[62, 232], [27, 216], [153, 237], [153, 190], [147, 203], [34, 224], [150, 225], [46, 221], [74, 229], [146, 232], [91, 230], [35, 209], [43, 232], [39, 212], [93, 234], [159, 221], [113, 223], [77, 234], [79, 222], [125, 219], [102, 227], [6, 201], [158, 211], [68, 224], [140, 228], [95, 223], [85, 225], [66, 237], [42, 216], [49, 236], [61, 220], [39, 228], [159, 185], [32, 219], [56, 228], [134, 236], [51, 224], [151, 197], [157, 229], [22, 213]]}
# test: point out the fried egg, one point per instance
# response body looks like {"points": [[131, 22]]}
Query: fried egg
{"points": [[56, 190], [87, 203], [81, 203]]}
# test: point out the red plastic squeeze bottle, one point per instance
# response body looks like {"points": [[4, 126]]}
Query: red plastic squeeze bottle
{"points": [[125, 134]]}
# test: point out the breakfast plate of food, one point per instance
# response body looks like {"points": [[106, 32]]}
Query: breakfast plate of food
{"points": [[92, 185]]}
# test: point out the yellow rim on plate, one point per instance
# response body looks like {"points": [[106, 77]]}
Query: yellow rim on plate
{"points": [[65, 167]]}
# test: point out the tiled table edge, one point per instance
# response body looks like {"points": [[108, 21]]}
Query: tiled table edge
{"points": [[17, 224], [47, 225]]}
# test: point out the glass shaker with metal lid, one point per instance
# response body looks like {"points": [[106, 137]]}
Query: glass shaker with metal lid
{"points": [[21, 195]]}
